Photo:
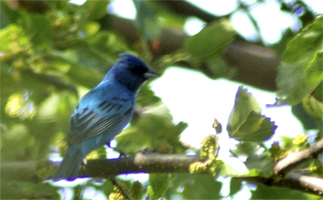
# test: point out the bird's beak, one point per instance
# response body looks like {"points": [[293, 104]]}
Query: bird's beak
{"points": [[151, 74]]}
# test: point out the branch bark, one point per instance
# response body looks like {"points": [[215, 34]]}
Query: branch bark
{"points": [[156, 163], [139, 163], [294, 160], [295, 181], [185, 8]]}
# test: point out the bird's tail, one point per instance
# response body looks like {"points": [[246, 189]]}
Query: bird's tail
{"points": [[70, 165]]}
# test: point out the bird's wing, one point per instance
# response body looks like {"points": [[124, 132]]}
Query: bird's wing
{"points": [[107, 115]]}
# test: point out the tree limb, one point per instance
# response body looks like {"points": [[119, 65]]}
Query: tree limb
{"points": [[299, 182], [295, 181], [185, 8], [293, 160], [156, 163], [139, 163]]}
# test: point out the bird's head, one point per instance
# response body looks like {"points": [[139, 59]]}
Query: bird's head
{"points": [[131, 71]]}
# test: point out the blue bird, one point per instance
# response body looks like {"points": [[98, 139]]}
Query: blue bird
{"points": [[103, 112]]}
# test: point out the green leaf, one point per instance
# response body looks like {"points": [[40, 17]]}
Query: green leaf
{"points": [[313, 106], [153, 129], [307, 120], [77, 73], [158, 185], [12, 34], [258, 160], [228, 170], [130, 140], [107, 187], [136, 190], [146, 96], [264, 192], [7, 16], [244, 104], [212, 41], [80, 73], [15, 141], [261, 162], [318, 93], [235, 186], [28, 190], [305, 44], [245, 148], [295, 82], [245, 121], [105, 45], [39, 29], [202, 187], [256, 128], [301, 70], [94, 10], [147, 20]]}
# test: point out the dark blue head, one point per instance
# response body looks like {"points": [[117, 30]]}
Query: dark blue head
{"points": [[130, 71]]}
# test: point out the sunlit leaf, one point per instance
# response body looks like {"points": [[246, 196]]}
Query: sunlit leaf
{"points": [[95, 9], [146, 96], [147, 20], [245, 149], [153, 129], [39, 29], [245, 121], [15, 141], [235, 186], [28, 190], [136, 190], [212, 41], [12, 37], [313, 106], [306, 43], [7, 15], [158, 185], [202, 187], [307, 120], [18, 105], [233, 171], [264, 192], [256, 158], [301, 70], [262, 162]]}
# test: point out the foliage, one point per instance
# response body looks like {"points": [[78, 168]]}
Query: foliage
{"points": [[246, 123], [218, 35], [299, 75], [53, 54]]}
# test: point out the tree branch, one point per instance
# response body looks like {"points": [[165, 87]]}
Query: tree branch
{"points": [[139, 163], [156, 163], [295, 181], [185, 8], [293, 160], [299, 182], [49, 79]]}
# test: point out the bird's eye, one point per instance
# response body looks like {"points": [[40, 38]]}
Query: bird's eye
{"points": [[137, 69]]}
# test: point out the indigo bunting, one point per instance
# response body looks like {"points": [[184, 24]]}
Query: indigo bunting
{"points": [[103, 112]]}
